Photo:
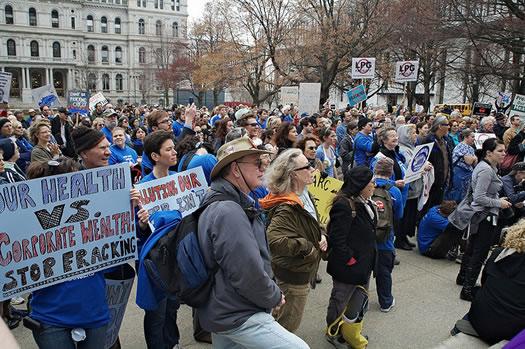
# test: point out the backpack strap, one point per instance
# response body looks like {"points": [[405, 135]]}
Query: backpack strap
{"points": [[187, 160], [351, 202]]}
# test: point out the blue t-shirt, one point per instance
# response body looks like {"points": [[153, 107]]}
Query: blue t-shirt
{"points": [[398, 208], [76, 303], [328, 160], [177, 127], [430, 227], [119, 155], [151, 176], [107, 132]]}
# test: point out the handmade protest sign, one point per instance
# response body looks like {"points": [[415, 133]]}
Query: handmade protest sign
{"points": [[363, 68], [518, 106], [481, 109], [479, 138], [59, 228], [290, 95], [406, 71], [323, 191], [416, 165], [182, 191], [309, 97], [356, 95], [95, 99], [78, 102], [5, 86], [45, 95]]}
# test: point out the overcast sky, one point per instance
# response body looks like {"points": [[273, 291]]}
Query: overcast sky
{"points": [[195, 8]]}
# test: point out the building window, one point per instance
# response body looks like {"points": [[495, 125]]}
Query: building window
{"points": [[32, 17], [92, 82], [34, 49], [156, 3], [56, 50], [103, 24], [158, 28], [161, 4], [105, 54], [74, 54], [143, 3], [142, 55], [9, 19], [91, 54], [141, 26], [105, 82], [11, 47], [118, 55], [117, 26], [177, 6], [90, 23], [54, 19], [72, 22], [118, 82], [175, 29]]}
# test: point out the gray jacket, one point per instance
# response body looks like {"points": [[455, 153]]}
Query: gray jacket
{"points": [[482, 199], [228, 237]]}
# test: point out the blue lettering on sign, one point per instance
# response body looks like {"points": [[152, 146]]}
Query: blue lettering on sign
{"points": [[420, 159]]}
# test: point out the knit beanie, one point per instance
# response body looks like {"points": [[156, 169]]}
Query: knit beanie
{"points": [[8, 147], [363, 122], [356, 179], [85, 138], [3, 121]]}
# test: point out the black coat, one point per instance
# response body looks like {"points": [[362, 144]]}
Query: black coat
{"points": [[69, 148], [515, 147], [498, 310], [351, 237]]}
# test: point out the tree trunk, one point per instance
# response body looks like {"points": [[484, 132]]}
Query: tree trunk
{"points": [[216, 93]]}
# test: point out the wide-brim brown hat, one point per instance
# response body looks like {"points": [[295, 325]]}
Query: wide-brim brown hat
{"points": [[235, 150]]}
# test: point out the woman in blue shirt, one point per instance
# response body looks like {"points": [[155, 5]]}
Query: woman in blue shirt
{"points": [[326, 151], [120, 152]]}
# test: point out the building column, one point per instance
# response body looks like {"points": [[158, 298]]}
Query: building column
{"points": [[28, 78], [51, 77], [47, 76]]}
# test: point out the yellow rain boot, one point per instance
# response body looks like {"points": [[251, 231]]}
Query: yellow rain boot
{"points": [[352, 335]]}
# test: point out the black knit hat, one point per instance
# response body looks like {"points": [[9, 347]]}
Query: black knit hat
{"points": [[4, 121], [86, 138], [362, 122], [356, 179], [8, 147]]}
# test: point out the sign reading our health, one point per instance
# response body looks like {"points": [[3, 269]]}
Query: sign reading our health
{"points": [[416, 165], [59, 228]]}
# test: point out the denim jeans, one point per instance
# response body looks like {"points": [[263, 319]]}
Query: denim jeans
{"points": [[260, 331], [160, 325], [51, 337], [384, 267]]}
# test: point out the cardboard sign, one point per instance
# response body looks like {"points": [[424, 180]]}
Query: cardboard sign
{"points": [[406, 71], [518, 106], [309, 97], [5, 86], [95, 99], [356, 95], [416, 165], [45, 95], [78, 102], [504, 99], [63, 227], [290, 95], [363, 68], [482, 109], [182, 191], [323, 191], [479, 138]]}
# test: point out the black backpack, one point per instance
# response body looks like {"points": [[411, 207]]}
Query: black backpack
{"points": [[176, 264], [385, 213]]}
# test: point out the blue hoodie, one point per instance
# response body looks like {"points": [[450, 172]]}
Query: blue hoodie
{"points": [[430, 227], [149, 295]]}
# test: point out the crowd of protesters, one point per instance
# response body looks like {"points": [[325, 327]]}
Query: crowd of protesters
{"points": [[262, 161]]}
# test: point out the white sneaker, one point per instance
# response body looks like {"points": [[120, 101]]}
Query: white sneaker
{"points": [[386, 310], [17, 300]]}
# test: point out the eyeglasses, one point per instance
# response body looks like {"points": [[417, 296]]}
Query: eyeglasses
{"points": [[169, 121], [446, 125], [310, 148], [306, 167], [258, 163]]}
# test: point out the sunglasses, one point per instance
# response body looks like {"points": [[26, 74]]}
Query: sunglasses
{"points": [[306, 167], [257, 163]]}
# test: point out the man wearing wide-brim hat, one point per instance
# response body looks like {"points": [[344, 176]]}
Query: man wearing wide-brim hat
{"points": [[231, 235]]}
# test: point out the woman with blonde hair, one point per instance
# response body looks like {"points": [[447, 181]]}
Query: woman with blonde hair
{"points": [[43, 150], [498, 309], [294, 235]]}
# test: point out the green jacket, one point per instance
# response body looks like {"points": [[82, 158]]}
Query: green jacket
{"points": [[293, 237]]}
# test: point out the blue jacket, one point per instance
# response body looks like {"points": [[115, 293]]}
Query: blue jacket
{"points": [[107, 132], [148, 295], [362, 144], [340, 132], [398, 207], [430, 227], [177, 127]]}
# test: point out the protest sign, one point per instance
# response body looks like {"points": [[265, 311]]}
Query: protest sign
{"points": [[78, 102], [95, 99], [182, 192], [479, 138], [118, 288], [481, 109], [356, 95], [363, 68], [504, 99], [45, 95], [323, 191], [406, 71], [5, 86], [290, 95], [518, 106], [309, 97], [416, 165], [63, 227]]}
